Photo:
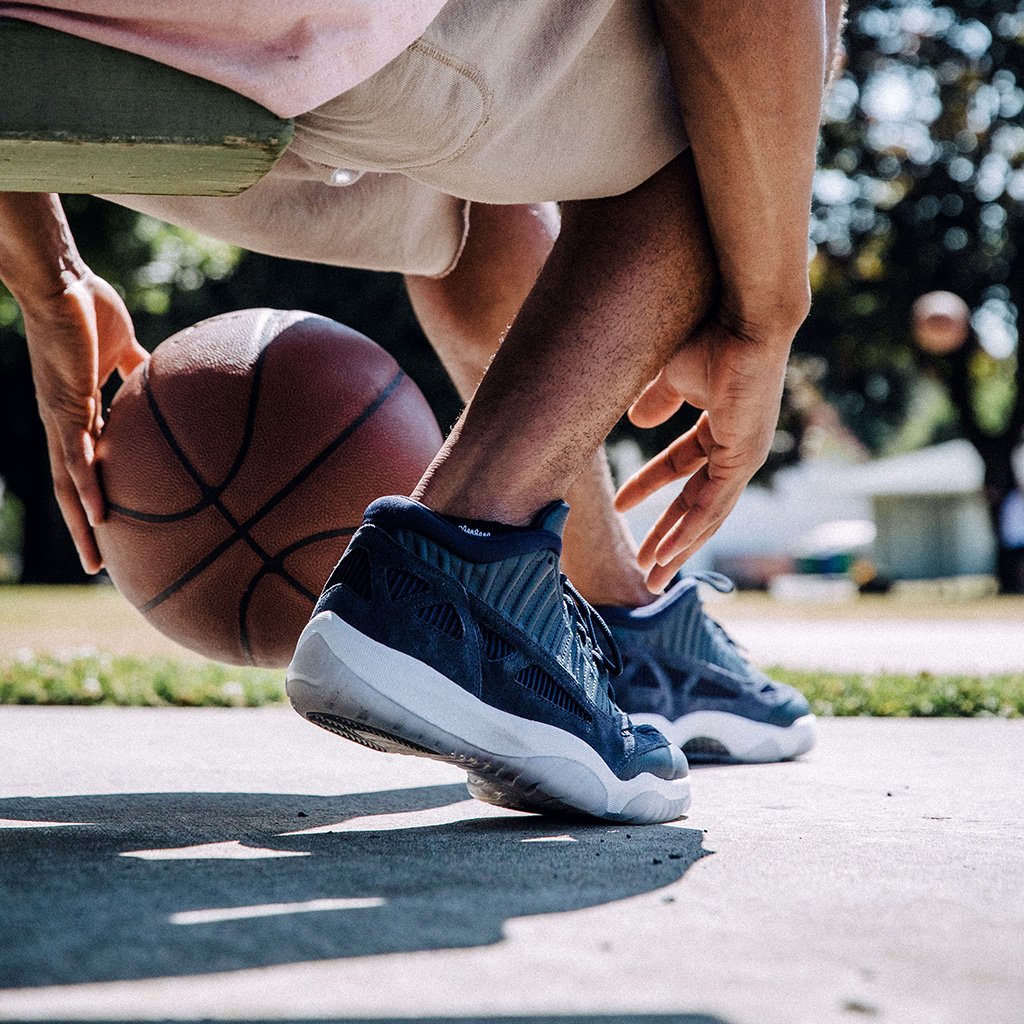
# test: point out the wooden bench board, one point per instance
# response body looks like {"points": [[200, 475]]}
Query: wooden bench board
{"points": [[76, 116]]}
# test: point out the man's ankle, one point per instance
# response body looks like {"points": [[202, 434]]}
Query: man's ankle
{"points": [[625, 591], [496, 509]]}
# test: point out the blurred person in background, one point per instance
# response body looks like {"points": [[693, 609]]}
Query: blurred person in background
{"points": [[941, 326]]}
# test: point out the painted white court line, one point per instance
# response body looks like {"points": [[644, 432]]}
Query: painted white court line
{"points": [[18, 823], [231, 850], [218, 914]]}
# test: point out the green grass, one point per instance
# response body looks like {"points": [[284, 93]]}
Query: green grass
{"points": [[131, 681], [918, 695]]}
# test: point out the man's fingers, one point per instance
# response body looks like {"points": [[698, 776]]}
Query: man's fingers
{"points": [[686, 518], [705, 501], [70, 503], [682, 457], [659, 576], [662, 575], [713, 490], [657, 402], [97, 423], [701, 445], [662, 470], [79, 461], [645, 556], [691, 519], [684, 378], [132, 357], [78, 526]]}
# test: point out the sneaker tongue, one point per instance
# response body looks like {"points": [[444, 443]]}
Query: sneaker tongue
{"points": [[552, 518]]}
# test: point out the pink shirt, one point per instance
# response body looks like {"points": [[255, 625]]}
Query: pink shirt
{"points": [[289, 55]]}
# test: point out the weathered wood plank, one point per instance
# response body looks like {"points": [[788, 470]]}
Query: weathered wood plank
{"points": [[76, 116]]}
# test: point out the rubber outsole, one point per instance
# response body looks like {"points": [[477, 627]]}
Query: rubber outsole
{"points": [[719, 736], [366, 692]]}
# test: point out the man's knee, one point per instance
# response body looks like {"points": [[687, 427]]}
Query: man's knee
{"points": [[505, 249], [521, 235]]}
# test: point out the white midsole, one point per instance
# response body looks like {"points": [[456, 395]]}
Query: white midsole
{"points": [[383, 687], [745, 739]]}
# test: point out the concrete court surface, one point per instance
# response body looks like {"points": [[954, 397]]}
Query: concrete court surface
{"points": [[856, 642], [241, 864], [881, 645]]}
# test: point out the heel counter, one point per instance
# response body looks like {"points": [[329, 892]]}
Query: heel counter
{"points": [[351, 577], [355, 581]]}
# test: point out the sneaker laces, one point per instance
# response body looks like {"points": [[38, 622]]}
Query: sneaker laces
{"points": [[724, 585], [591, 628]]}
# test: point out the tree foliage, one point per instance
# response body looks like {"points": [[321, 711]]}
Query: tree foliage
{"points": [[920, 186]]}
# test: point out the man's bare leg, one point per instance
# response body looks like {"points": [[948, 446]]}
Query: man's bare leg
{"points": [[464, 643], [628, 279], [465, 315]]}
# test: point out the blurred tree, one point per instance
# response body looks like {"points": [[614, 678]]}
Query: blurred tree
{"points": [[920, 188]]}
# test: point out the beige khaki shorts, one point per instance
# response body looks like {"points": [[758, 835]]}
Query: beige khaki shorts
{"points": [[514, 101]]}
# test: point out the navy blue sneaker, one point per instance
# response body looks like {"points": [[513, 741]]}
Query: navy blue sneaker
{"points": [[464, 642], [683, 674]]}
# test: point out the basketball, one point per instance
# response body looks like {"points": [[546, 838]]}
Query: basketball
{"points": [[237, 462]]}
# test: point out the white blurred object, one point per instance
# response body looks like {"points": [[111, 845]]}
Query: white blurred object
{"points": [[840, 537], [819, 589]]}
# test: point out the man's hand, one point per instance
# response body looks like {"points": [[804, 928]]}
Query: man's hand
{"points": [[76, 339], [749, 78], [78, 333], [735, 374]]}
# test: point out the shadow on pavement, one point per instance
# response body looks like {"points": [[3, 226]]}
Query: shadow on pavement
{"points": [[76, 910]]}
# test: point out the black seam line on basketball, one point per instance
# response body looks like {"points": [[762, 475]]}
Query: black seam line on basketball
{"points": [[248, 431], [211, 494], [152, 517], [272, 502], [266, 570], [208, 492], [250, 413], [317, 461]]}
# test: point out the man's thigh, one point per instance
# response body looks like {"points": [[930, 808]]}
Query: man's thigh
{"points": [[379, 222], [502, 103], [512, 103]]}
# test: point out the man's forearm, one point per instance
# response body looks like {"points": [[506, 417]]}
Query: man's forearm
{"points": [[749, 78], [38, 256]]}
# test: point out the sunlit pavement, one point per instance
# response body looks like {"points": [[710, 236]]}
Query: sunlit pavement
{"points": [[904, 639], [872, 645], [242, 864], [885, 634]]}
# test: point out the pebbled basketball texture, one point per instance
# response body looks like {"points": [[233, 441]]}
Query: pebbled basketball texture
{"points": [[237, 462]]}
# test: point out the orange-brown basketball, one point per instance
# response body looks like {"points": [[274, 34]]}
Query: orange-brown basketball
{"points": [[237, 462]]}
